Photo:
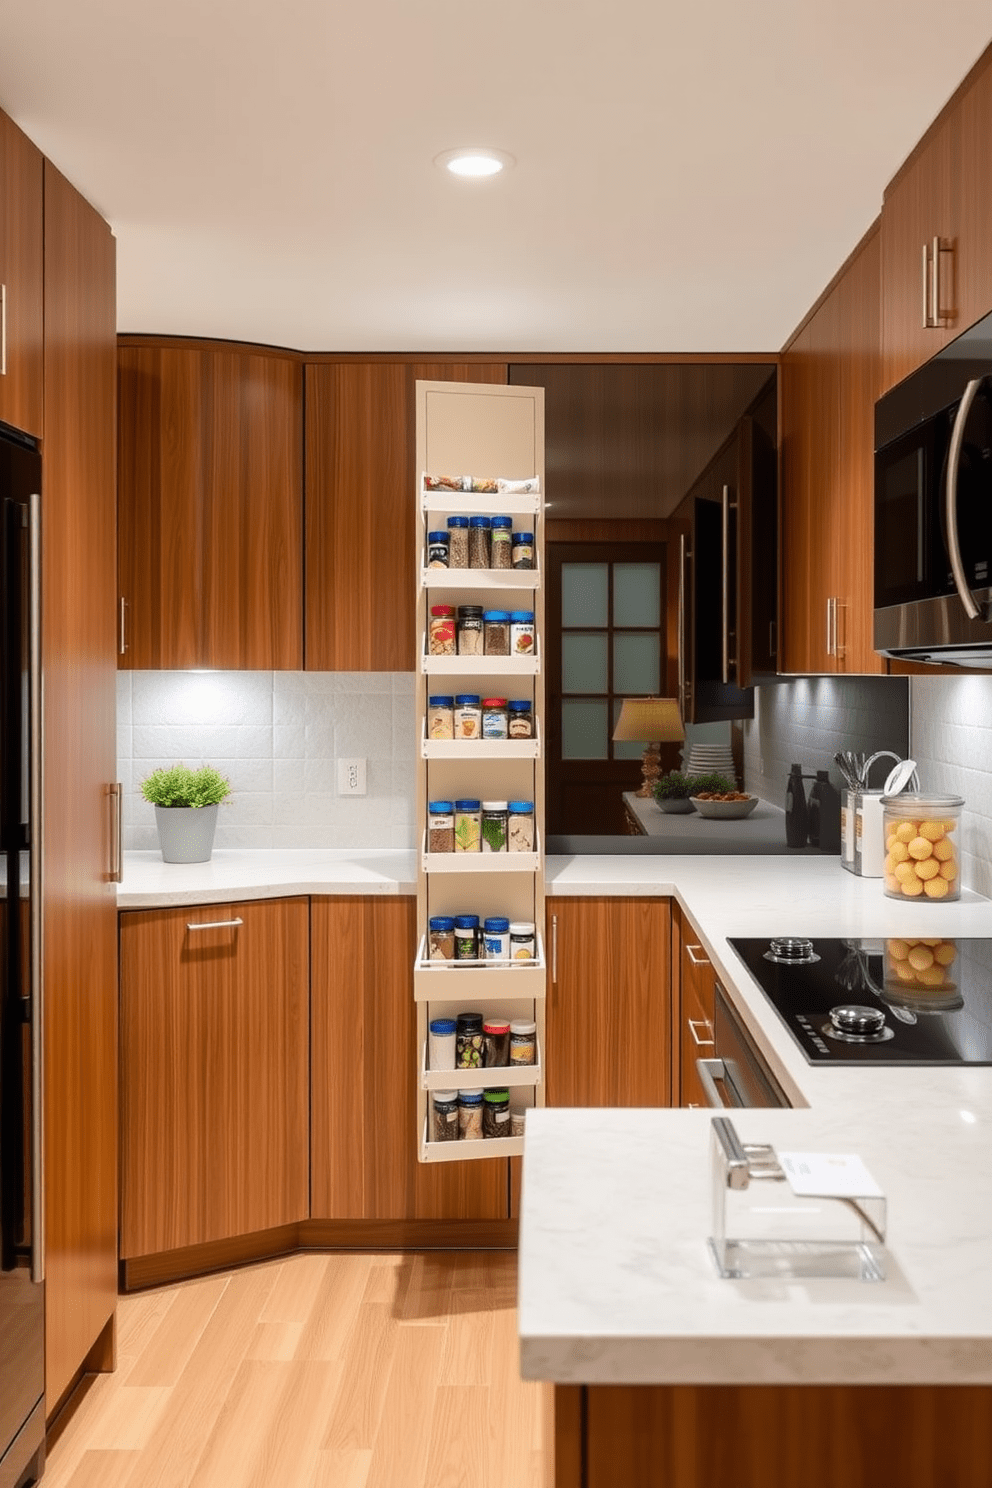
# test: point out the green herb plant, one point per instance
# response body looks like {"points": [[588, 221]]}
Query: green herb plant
{"points": [[719, 784], [180, 786], [678, 787]]}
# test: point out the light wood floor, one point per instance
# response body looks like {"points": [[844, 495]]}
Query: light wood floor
{"points": [[319, 1371]]}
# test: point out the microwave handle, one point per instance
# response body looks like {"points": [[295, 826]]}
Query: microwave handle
{"points": [[950, 499]]}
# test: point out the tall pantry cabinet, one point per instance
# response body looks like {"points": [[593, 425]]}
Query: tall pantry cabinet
{"points": [[483, 433]]}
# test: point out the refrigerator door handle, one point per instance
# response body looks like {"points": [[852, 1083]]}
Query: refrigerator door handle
{"points": [[35, 849]]}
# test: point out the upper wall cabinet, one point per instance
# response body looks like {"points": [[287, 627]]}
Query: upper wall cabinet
{"points": [[829, 387], [210, 506], [22, 320], [361, 600], [937, 233]]}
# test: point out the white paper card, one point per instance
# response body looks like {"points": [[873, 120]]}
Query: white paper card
{"points": [[828, 1175]]}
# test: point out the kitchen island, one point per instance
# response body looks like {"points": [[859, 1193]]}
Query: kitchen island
{"points": [[666, 1373]]}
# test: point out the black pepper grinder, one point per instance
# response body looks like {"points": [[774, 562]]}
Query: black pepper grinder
{"points": [[796, 814], [824, 814]]}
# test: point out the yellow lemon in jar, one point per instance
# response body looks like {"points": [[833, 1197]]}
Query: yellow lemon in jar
{"points": [[898, 949], [935, 888], [899, 852], [943, 850], [905, 972], [945, 953], [929, 868], [906, 831], [933, 976], [905, 870], [920, 957], [911, 887], [932, 830], [920, 848], [949, 871]]}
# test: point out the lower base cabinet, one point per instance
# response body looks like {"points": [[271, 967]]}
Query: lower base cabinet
{"points": [[214, 1067], [607, 1034]]}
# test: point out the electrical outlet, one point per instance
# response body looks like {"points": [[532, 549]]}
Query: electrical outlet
{"points": [[351, 777]]}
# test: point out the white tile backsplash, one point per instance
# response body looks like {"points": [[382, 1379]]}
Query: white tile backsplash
{"points": [[277, 736], [951, 741]]}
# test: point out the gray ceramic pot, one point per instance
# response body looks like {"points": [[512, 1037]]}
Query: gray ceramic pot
{"points": [[677, 806], [186, 833]]}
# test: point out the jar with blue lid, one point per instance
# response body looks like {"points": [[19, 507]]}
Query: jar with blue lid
{"points": [[458, 542], [468, 826], [522, 550], [468, 715], [521, 632], [441, 1043], [441, 938], [470, 1115], [496, 938], [440, 827], [467, 941], [496, 632], [501, 542], [520, 826], [437, 550], [520, 718], [440, 717], [478, 542]]}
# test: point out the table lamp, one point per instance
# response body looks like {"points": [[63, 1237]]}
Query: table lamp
{"points": [[654, 721]]}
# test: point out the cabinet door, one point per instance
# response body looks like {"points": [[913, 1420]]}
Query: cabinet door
{"points": [[211, 507], [214, 1050], [698, 985], [608, 1018], [919, 206], [361, 600], [974, 200], [22, 390], [364, 1110], [79, 657]]}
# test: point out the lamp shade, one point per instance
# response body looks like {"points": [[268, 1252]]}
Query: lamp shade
{"points": [[648, 719]]}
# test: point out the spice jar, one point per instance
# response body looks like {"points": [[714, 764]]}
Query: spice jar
{"points": [[478, 542], [469, 630], [496, 632], [501, 542], [517, 1123], [469, 1041], [496, 1113], [520, 718], [496, 938], [441, 633], [521, 632], [470, 1115], [523, 1041], [441, 938], [468, 827], [440, 718], [440, 827], [494, 718], [458, 542], [522, 551], [493, 826], [520, 826], [445, 1124], [921, 847], [437, 550], [441, 1044], [468, 716], [467, 938], [521, 940], [497, 1036]]}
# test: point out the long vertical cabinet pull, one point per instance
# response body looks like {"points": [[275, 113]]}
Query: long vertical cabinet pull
{"points": [[489, 430], [116, 792], [3, 330], [122, 636], [935, 317]]}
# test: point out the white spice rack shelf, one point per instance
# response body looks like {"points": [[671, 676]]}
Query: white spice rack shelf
{"points": [[482, 578], [481, 749], [482, 666], [481, 503], [451, 981], [511, 1075], [462, 1151], [479, 862]]}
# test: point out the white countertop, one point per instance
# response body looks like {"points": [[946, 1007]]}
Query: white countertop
{"points": [[234, 874], [616, 1282]]}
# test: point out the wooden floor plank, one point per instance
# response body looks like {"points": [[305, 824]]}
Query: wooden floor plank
{"points": [[291, 1445], [100, 1469], [459, 1456], [167, 1352], [341, 1470], [427, 1296], [399, 1456], [236, 1443], [369, 1352], [333, 1308]]}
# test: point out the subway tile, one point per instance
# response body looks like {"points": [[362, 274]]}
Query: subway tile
{"points": [[289, 741], [287, 779]]}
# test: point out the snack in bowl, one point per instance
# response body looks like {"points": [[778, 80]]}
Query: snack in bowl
{"points": [[725, 805]]}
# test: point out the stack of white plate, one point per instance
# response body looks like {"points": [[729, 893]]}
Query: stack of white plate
{"points": [[704, 759]]}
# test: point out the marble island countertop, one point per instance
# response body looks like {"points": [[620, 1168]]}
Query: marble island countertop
{"points": [[616, 1282], [234, 874]]}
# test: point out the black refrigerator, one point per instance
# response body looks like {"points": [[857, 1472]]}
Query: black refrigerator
{"points": [[22, 1285]]}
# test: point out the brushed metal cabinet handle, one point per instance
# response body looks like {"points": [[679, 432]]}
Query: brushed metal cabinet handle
{"points": [[693, 1024], [117, 837], [697, 960], [709, 1071], [215, 925], [122, 641], [3, 330], [554, 950], [927, 322]]}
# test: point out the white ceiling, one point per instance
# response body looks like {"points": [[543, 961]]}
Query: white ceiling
{"points": [[688, 176]]}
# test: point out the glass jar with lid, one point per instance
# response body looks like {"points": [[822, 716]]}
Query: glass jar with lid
{"points": [[470, 631], [468, 825], [458, 542], [441, 631], [440, 827], [470, 1044], [440, 717], [496, 632], [521, 632], [520, 827], [522, 551], [922, 857], [522, 940], [478, 542], [467, 938], [501, 542], [494, 718], [493, 826], [437, 549], [496, 1113], [468, 715], [520, 718]]}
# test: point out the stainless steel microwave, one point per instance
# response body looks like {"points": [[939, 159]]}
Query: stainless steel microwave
{"points": [[933, 508]]}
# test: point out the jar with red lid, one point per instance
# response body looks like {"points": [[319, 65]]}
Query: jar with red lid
{"points": [[441, 632]]}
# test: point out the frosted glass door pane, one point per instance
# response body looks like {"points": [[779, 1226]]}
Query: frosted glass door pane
{"points": [[585, 589], [636, 594], [636, 664], [625, 748], [584, 662], [583, 730]]}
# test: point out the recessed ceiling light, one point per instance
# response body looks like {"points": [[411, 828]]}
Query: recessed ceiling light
{"points": [[474, 163]]}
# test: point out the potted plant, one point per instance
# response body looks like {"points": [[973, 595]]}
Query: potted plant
{"points": [[672, 792], [186, 804]]}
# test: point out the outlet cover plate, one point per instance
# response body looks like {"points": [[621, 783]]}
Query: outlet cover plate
{"points": [[351, 777]]}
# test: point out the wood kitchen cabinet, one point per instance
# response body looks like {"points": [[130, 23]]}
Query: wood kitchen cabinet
{"points": [[360, 597], [692, 1009], [607, 1032], [830, 381], [214, 1072], [937, 232], [79, 658], [22, 313], [210, 505], [363, 1064]]}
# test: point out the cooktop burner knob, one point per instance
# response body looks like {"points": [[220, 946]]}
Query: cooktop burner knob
{"points": [[862, 1022], [792, 950]]}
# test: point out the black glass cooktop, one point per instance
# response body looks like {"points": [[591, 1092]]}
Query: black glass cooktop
{"points": [[879, 1001]]}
